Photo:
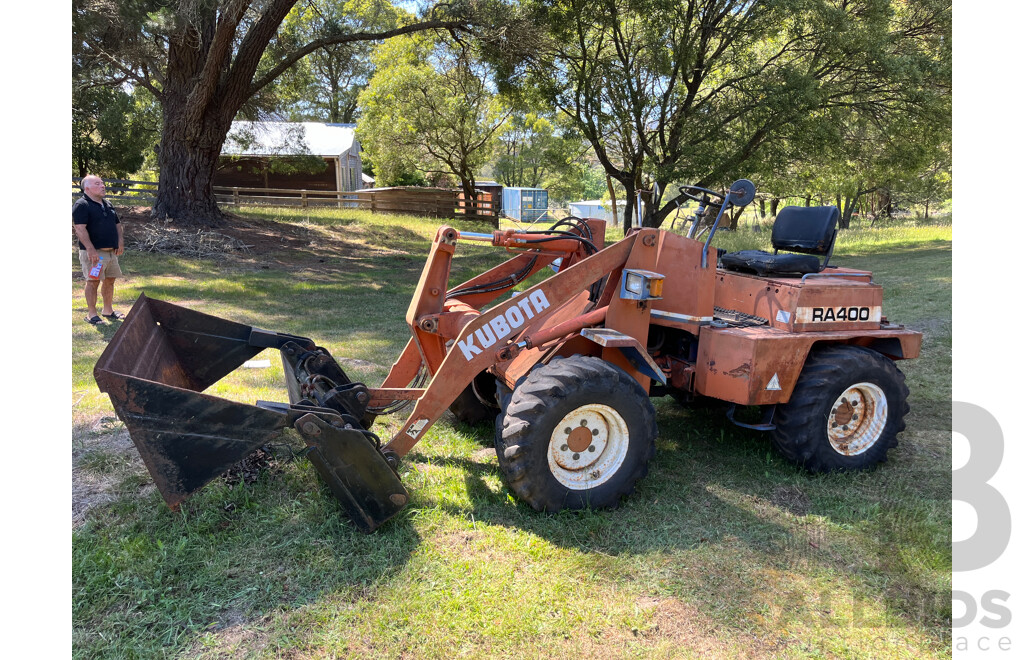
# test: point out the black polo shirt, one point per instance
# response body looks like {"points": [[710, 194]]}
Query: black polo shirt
{"points": [[100, 222]]}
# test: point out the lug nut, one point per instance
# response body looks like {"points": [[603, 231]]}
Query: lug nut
{"points": [[591, 448], [565, 447], [575, 457], [568, 430], [583, 422]]}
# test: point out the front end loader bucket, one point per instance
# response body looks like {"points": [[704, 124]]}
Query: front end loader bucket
{"points": [[163, 356]]}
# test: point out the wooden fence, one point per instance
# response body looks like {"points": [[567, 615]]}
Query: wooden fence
{"points": [[434, 202]]}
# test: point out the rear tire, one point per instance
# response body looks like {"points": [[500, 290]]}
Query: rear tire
{"points": [[845, 411], [575, 433], [469, 408]]}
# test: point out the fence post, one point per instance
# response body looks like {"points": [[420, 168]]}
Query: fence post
{"points": [[234, 196], [373, 202], [305, 202]]}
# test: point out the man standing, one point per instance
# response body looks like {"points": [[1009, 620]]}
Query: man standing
{"points": [[99, 236]]}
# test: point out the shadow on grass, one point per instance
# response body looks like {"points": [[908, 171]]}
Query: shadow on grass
{"points": [[743, 526], [231, 553], [736, 526], [104, 329]]}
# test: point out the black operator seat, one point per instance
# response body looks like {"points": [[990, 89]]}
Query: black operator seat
{"points": [[808, 230]]}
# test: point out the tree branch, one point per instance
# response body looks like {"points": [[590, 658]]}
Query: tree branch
{"points": [[297, 55]]}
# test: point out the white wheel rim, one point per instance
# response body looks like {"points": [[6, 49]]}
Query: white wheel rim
{"points": [[857, 419], [588, 446]]}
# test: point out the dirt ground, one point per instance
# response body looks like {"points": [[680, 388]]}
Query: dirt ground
{"points": [[289, 246]]}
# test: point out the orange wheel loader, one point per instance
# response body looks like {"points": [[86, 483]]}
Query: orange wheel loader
{"points": [[566, 367]]}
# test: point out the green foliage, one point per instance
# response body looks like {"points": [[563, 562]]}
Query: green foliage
{"points": [[428, 109], [540, 150], [694, 91], [325, 85], [112, 130], [206, 62]]}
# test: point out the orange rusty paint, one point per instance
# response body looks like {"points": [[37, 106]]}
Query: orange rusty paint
{"points": [[429, 297], [752, 365], [461, 365], [565, 328], [689, 288], [580, 438], [778, 299], [738, 364], [404, 370], [511, 372], [385, 396]]}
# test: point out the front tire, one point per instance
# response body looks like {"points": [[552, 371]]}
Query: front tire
{"points": [[576, 433], [845, 411]]}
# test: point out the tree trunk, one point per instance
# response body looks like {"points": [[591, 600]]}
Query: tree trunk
{"points": [[630, 210], [615, 207], [188, 155], [774, 205], [845, 205], [650, 217]]}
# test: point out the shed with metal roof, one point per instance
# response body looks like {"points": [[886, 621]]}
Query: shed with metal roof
{"points": [[280, 154]]}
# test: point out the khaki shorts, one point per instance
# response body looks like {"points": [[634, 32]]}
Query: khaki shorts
{"points": [[110, 267]]}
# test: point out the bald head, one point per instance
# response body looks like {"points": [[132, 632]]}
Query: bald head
{"points": [[93, 187]]}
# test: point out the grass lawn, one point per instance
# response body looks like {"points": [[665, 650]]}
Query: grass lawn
{"points": [[725, 549]]}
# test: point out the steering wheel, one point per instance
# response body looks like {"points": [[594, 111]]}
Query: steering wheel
{"points": [[741, 193], [685, 192]]}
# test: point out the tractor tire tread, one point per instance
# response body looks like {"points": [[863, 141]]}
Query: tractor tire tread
{"points": [[813, 395], [524, 425]]}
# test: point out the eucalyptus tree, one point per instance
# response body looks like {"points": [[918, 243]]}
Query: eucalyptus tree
{"points": [[429, 108], [203, 61], [692, 90], [112, 129], [325, 85]]}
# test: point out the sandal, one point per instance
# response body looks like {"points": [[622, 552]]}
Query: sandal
{"points": [[94, 320], [114, 316]]}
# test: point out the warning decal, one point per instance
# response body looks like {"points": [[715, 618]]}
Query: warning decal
{"points": [[773, 384]]}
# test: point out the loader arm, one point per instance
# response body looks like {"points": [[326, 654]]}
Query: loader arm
{"points": [[164, 355], [484, 336]]}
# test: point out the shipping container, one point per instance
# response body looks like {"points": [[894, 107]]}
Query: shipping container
{"points": [[524, 204]]}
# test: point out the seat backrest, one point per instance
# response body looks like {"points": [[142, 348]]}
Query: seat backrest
{"points": [[806, 229]]}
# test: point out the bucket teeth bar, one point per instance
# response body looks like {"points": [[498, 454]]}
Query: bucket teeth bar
{"points": [[161, 358]]}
